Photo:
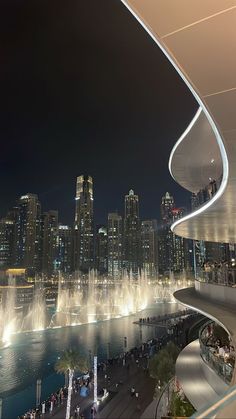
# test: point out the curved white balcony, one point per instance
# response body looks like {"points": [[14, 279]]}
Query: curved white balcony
{"points": [[199, 40], [196, 158]]}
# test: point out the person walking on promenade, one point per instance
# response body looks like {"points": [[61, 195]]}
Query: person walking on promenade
{"points": [[77, 409], [132, 391]]}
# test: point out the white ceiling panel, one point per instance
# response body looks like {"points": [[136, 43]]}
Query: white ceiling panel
{"points": [[223, 109], [207, 53], [177, 13]]}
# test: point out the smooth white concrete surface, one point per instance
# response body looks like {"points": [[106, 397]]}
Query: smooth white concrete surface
{"points": [[216, 292], [199, 382], [222, 313]]}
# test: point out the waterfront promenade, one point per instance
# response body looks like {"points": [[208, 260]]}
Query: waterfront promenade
{"points": [[162, 320], [120, 403], [118, 375]]}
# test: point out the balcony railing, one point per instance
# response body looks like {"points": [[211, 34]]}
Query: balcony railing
{"points": [[205, 194], [222, 274], [221, 362]]}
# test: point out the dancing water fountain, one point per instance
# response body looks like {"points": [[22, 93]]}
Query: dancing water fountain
{"points": [[83, 300], [165, 287], [95, 301], [8, 318]]}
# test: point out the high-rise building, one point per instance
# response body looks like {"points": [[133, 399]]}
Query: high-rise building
{"points": [[28, 233], [212, 252], [101, 250], [172, 256], [84, 225], [178, 262], [49, 226], [149, 247], [63, 257], [7, 230], [165, 236], [167, 205], [115, 240], [132, 234]]}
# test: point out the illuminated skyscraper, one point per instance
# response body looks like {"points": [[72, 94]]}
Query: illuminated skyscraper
{"points": [[165, 236], [7, 227], [101, 250], [172, 248], [132, 234], [84, 225], [63, 260], [149, 247], [167, 204], [178, 246], [114, 244], [28, 232], [49, 226]]}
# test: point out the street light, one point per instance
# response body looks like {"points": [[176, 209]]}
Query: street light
{"points": [[95, 379], [38, 391]]}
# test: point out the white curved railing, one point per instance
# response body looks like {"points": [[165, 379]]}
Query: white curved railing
{"points": [[203, 107], [182, 137]]}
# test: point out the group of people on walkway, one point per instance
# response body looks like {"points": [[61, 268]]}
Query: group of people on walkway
{"points": [[58, 398], [138, 355]]}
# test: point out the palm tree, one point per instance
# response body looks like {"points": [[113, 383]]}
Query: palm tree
{"points": [[69, 362]]}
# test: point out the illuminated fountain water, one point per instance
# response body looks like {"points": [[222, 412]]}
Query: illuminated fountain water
{"points": [[165, 288], [95, 301], [8, 317], [79, 302], [35, 318]]}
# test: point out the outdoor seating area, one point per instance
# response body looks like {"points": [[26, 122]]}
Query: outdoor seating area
{"points": [[217, 350]]}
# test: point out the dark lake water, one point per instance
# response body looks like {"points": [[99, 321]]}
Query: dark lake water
{"points": [[33, 355]]}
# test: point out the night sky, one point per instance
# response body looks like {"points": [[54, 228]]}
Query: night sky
{"points": [[84, 90]]}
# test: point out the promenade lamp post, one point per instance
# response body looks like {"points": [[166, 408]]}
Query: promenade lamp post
{"points": [[125, 343], [108, 350], [95, 380], [38, 391]]}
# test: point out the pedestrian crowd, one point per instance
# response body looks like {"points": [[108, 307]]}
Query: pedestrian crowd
{"points": [[138, 355], [59, 398]]}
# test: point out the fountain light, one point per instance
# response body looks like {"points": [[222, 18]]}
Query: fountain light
{"points": [[6, 337]]}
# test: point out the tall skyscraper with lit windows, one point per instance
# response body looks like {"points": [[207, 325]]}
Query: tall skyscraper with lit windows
{"points": [[172, 248], [28, 233], [178, 262], [114, 244], [165, 236], [149, 247], [101, 249], [84, 225], [7, 229], [167, 205], [132, 234], [49, 227], [63, 259]]}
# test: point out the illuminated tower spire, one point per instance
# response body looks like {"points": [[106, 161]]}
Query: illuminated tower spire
{"points": [[84, 234]]}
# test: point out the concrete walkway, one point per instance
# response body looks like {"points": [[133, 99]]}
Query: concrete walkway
{"points": [[224, 314], [120, 404], [199, 382]]}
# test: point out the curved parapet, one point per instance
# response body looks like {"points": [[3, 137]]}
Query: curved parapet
{"points": [[196, 159], [199, 38], [207, 385]]}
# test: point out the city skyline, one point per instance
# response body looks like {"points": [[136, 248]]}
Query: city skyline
{"points": [[36, 240], [120, 209], [62, 108]]}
